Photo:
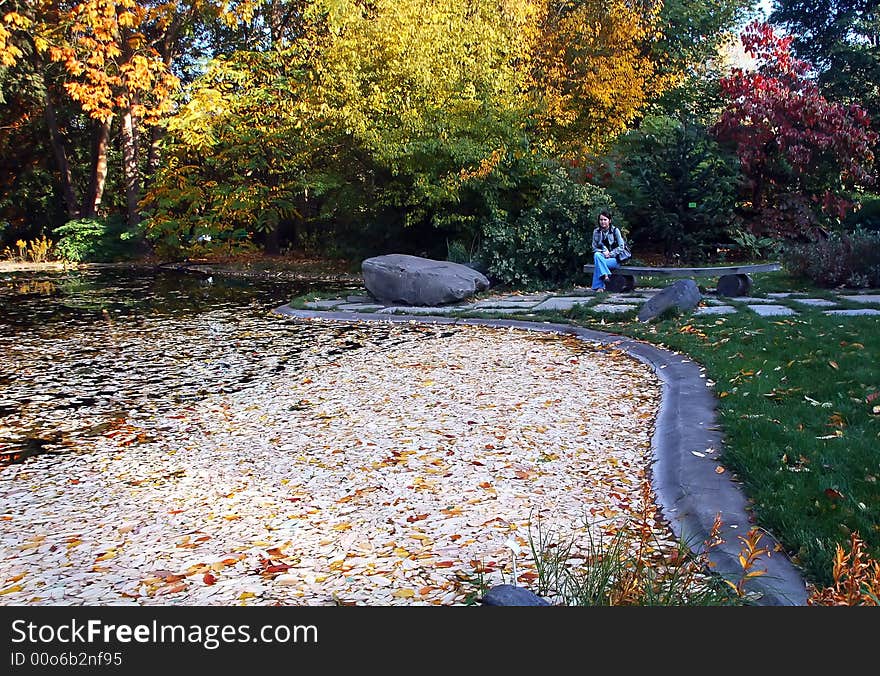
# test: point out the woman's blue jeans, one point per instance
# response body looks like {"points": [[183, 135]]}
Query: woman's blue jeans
{"points": [[602, 266]]}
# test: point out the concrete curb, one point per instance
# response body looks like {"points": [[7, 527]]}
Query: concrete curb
{"points": [[686, 446]]}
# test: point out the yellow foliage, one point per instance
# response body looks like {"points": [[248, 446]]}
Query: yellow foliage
{"points": [[590, 72]]}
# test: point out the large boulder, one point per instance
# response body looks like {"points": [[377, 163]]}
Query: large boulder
{"points": [[410, 280], [684, 295]]}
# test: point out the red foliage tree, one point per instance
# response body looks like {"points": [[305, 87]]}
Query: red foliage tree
{"points": [[798, 151]]}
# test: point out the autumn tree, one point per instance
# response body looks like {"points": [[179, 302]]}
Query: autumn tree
{"points": [[376, 112], [590, 74], [689, 54], [799, 152], [841, 38]]}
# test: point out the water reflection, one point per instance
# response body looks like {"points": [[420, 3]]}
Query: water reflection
{"points": [[84, 353]]}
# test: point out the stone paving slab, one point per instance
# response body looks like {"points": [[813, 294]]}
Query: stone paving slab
{"points": [[503, 302], [715, 310], [612, 307], [532, 297], [319, 304], [503, 310], [749, 300], [862, 298], [771, 310], [851, 313], [815, 302], [422, 310], [359, 307], [560, 303]]}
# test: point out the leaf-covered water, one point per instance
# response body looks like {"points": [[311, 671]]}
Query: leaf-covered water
{"points": [[82, 352]]}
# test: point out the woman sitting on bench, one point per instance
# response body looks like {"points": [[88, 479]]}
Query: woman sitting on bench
{"points": [[609, 249]]}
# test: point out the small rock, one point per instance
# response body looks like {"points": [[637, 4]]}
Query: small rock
{"points": [[511, 595]]}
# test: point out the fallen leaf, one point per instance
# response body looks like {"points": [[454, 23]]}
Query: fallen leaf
{"points": [[209, 579], [719, 470]]}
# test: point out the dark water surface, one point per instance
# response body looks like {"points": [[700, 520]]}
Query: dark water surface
{"points": [[82, 352]]}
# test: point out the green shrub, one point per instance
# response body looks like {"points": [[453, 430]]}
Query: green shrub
{"points": [[96, 240], [674, 185], [548, 241], [843, 259], [867, 217]]}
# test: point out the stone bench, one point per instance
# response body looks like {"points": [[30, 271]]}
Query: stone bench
{"points": [[734, 280]]}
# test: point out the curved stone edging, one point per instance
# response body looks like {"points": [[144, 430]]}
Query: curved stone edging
{"points": [[689, 491]]}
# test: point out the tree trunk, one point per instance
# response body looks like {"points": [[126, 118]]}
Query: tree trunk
{"points": [[60, 152], [156, 134], [272, 246], [130, 168], [92, 202]]}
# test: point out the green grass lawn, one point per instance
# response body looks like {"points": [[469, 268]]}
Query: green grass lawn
{"points": [[796, 400]]}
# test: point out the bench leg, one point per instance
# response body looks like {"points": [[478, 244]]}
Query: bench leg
{"points": [[619, 283], [735, 285]]}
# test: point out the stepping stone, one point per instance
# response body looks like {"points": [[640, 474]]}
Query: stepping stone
{"points": [[503, 302], [862, 298], [560, 303], [359, 307], [815, 302], [533, 297], [751, 301], [715, 310], [318, 304], [420, 310], [500, 310], [771, 310], [780, 294], [851, 313], [616, 298], [610, 307]]}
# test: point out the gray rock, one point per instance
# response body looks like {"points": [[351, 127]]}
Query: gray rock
{"points": [[683, 295], [510, 595], [398, 278]]}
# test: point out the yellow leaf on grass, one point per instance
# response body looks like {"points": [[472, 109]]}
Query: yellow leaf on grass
{"points": [[345, 525], [404, 594], [401, 552], [11, 590]]}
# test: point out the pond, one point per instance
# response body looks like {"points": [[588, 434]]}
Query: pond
{"points": [[170, 439], [84, 351]]}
